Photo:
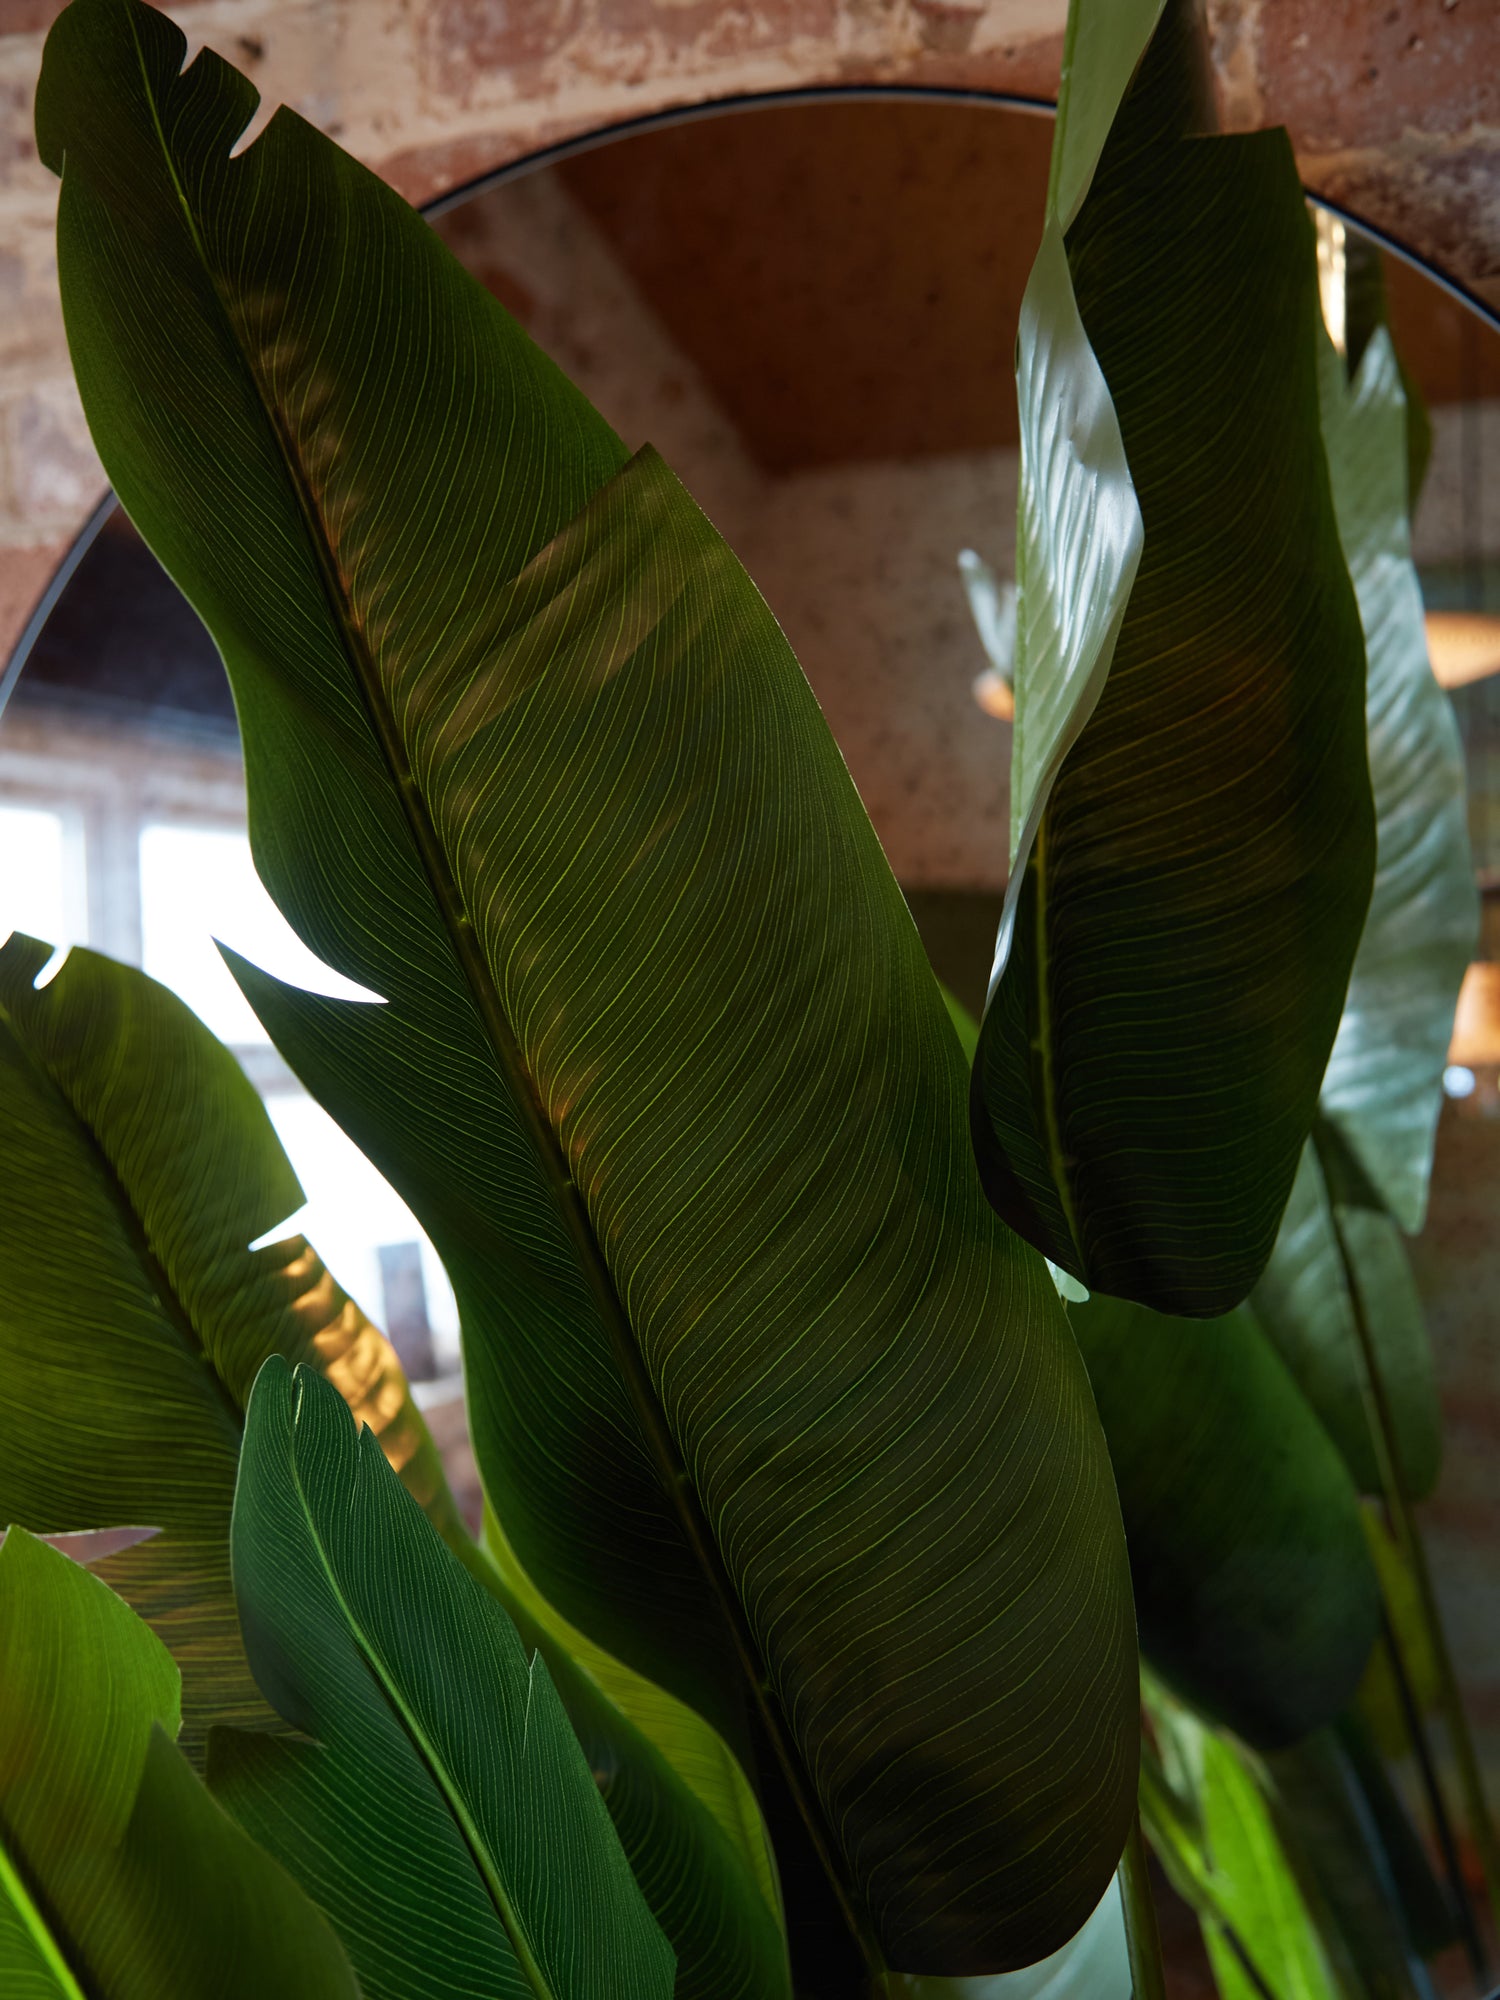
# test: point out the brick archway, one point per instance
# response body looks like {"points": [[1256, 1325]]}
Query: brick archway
{"points": [[1395, 113]]}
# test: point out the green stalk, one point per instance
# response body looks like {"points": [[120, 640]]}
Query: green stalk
{"points": [[1403, 1522], [1142, 1939], [1186, 1870], [1437, 1806]]}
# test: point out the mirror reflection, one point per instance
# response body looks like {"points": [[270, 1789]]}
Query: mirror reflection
{"points": [[811, 311]]}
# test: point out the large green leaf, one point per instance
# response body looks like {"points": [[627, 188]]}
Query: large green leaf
{"points": [[443, 1812], [120, 1878], [1329, 1255], [767, 1401], [137, 1165], [1383, 1086], [1255, 1592], [1191, 819]]}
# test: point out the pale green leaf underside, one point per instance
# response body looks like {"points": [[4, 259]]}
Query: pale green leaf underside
{"points": [[1383, 1085], [1093, 1965], [1304, 1303], [1078, 545], [1101, 49]]}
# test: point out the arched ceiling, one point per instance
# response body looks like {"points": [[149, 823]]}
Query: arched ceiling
{"points": [[1394, 109]]}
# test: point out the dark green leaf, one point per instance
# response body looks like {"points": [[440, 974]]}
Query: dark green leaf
{"points": [[763, 1395], [1425, 1904], [119, 1876], [1191, 819], [136, 1165], [443, 1813], [1254, 1589], [1335, 1843]]}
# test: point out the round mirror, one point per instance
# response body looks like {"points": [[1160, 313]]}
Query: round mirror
{"points": [[810, 309]]}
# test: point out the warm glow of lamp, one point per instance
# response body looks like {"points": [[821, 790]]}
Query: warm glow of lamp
{"points": [[1463, 646], [1476, 1026], [995, 694]]}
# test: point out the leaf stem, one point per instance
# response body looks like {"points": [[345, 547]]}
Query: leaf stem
{"points": [[1056, 1152], [1142, 1939], [1437, 1805], [1409, 1540], [1187, 1870], [13, 1890]]}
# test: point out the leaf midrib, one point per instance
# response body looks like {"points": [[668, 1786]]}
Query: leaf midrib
{"points": [[14, 1886], [510, 1920], [677, 1483], [132, 1226]]}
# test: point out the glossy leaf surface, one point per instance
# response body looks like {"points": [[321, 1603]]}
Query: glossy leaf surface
{"points": [[763, 1395], [120, 1878], [1191, 814], [443, 1812], [1383, 1086], [137, 1164], [1254, 1590], [1329, 1256]]}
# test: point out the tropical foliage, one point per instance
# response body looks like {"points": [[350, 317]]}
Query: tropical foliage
{"points": [[798, 1653]]}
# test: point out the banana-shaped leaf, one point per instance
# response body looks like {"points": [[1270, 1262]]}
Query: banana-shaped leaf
{"points": [[120, 1878], [1383, 1086], [1331, 1256], [1255, 1592], [769, 1404], [443, 1812], [137, 1164], [1191, 820]]}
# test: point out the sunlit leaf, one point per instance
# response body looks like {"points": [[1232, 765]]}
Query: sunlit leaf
{"points": [[120, 1878], [767, 1401], [1207, 1814], [137, 1165]]}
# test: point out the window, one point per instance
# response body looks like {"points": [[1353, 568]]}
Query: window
{"points": [[42, 886], [198, 883], [152, 833]]}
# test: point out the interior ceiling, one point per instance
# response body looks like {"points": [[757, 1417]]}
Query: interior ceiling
{"points": [[847, 277]]}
